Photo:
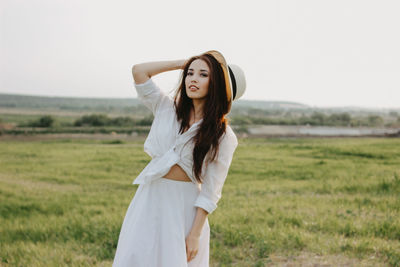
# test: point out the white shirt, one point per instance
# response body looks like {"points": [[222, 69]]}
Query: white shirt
{"points": [[167, 147]]}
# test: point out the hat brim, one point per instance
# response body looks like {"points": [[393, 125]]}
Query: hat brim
{"points": [[220, 58]]}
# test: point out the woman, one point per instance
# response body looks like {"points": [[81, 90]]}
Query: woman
{"points": [[191, 146]]}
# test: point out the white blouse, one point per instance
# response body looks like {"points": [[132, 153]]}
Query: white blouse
{"points": [[167, 147]]}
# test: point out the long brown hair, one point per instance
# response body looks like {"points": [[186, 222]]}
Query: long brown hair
{"points": [[214, 122]]}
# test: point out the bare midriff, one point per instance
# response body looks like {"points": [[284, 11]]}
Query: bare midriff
{"points": [[178, 174]]}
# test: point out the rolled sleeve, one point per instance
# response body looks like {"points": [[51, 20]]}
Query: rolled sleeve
{"points": [[151, 95], [216, 173]]}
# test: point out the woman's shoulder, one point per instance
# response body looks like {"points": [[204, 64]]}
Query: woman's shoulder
{"points": [[229, 138]]}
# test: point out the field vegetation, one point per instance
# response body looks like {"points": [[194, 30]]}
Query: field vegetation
{"points": [[328, 202]]}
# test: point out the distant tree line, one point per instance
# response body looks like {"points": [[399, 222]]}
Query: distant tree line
{"points": [[93, 120], [314, 119]]}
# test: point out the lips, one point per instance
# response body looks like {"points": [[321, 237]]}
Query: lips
{"points": [[193, 87]]}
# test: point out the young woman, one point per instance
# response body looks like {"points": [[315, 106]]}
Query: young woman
{"points": [[191, 146]]}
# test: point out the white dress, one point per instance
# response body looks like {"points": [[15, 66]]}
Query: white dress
{"points": [[162, 211]]}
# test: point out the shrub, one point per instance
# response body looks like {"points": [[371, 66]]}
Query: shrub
{"points": [[122, 121], [145, 121], [102, 120], [46, 121], [375, 120], [93, 120]]}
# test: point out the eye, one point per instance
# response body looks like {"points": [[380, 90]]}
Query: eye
{"points": [[204, 75], [189, 74]]}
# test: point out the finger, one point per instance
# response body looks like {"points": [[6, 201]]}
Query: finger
{"points": [[187, 253], [192, 255]]}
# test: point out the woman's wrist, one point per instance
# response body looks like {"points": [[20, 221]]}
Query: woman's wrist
{"points": [[199, 220], [194, 234], [181, 63]]}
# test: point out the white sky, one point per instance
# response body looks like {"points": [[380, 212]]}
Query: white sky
{"points": [[321, 53]]}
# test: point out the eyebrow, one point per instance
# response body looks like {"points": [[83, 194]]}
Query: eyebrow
{"points": [[200, 70]]}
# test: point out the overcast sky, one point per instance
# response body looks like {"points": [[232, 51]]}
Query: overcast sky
{"points": [[321, 53]]}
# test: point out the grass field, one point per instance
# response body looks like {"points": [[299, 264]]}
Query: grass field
{"points": [[292, 202]]}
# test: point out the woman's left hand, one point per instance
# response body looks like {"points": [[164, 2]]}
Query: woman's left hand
{"points": [[192, 246]]}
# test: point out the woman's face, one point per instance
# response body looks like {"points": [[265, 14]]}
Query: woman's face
{"points": [[197, 79]]}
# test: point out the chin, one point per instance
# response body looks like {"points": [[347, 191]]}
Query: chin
{"points": [[195, 96], [191, 95]]}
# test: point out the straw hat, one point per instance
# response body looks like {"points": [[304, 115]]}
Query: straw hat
{"points": [[234, 77]]}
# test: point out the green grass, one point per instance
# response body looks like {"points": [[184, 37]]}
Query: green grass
{"points": [[286, 201]]}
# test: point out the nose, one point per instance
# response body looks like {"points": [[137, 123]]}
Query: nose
{"points": [[194, 78]]}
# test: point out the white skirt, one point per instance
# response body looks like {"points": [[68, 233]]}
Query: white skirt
{"points": [[156, 224]]}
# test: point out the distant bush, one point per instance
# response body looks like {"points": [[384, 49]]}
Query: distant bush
{"points": [[93, 120], [145, 121], [375, 120], [122, 121], [241, 120], [340, 119], [102, 120], [319, 118], [44, 122]]}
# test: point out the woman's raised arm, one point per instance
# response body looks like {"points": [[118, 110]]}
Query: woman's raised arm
{"points": [[144, 71]]}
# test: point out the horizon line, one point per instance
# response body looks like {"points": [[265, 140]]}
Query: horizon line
{"points": [[246, 99]]}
